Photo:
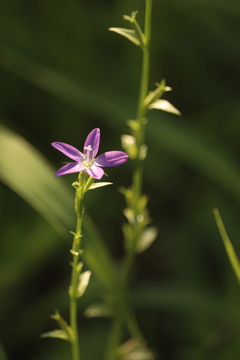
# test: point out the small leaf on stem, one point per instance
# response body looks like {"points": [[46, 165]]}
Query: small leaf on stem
{"points": [[97, 310], [99, 184], [127, 33], [146, 239], [165, 106], [65, 331], [83, 282], [129, 145], [60, 334]]}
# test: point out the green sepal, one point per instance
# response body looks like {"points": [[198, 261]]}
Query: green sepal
{"points": [[127, 33], [75, 184], [88, 184]]}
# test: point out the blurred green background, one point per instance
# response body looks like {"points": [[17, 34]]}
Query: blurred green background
{"points": [[62, 74]]}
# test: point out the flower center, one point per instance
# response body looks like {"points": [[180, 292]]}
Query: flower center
{"points": [[87, 163]]}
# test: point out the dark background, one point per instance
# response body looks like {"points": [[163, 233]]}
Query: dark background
{"points": [[63, 74]]}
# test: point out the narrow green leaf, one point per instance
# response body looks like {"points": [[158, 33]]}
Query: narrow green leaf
{"points": [[228, 245], [153, 96], [137, 29], [99, 184], [63, 326], [59, 334], [128, 33], [165, 106], [26, 171]]}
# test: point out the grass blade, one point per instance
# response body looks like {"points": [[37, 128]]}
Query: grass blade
{"points": [[228, 245]]}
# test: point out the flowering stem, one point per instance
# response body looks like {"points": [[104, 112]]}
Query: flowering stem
{"points": [[140, 136], [133, 235], [76, 269]]}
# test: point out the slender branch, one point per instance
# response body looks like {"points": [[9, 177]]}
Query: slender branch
{"points": [[117, 324], [76, 268], [140, 134], [113, 339], [138, 170]]}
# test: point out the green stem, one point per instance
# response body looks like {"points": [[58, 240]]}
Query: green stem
{"points": [[116, 329], [73, 324], [140, 136], [113, 339], [140, 133], [127, 267], [76, 269], [138, 169], [133, 327]]}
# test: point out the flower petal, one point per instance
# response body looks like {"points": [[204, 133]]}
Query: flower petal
{"points": [[70, 168], [92, 142], [68, 150], [95, 172], [111, 158]]}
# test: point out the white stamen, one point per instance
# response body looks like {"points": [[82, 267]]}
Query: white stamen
{"points": [[89, 149]]}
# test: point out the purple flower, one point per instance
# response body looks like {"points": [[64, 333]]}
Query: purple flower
{"points": [[87, 160]]}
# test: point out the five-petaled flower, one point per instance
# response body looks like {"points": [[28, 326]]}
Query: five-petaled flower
{"points": [[87, 160]]}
